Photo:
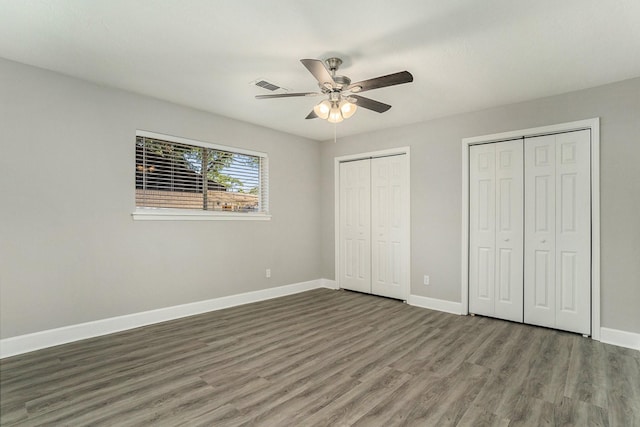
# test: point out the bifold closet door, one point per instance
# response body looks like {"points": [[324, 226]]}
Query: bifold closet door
{"points": [[558, 231], [389, 198], [355, 226], [496, 230], [374, 225]]}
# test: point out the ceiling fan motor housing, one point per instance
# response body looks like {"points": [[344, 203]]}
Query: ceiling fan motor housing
{"points": [[341, 81]]}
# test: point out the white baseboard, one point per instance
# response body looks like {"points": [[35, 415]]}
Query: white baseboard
{"points": [[52, 337], [435, 304], [620, 338], [328, 283]]}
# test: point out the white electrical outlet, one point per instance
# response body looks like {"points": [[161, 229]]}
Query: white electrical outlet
{"points": [[267, 273], [426, 279]]}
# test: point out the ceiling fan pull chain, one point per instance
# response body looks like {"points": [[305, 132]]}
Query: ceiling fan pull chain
{"points": [[335, 131]]}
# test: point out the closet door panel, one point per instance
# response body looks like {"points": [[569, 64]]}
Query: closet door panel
{"points": [[380, 224], [539, 244], [496, 230], [389, 195], [355, 226], [573, 231], [509, 231], [482, 229], [558, 231]]}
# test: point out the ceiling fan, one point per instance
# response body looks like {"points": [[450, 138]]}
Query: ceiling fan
{"points": [[342, 99]]}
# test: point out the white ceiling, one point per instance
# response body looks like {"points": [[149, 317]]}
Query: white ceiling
{"points": [[464, 55]]}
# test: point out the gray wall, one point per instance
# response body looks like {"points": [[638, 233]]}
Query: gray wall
{"points": [[69, 249], [436, 189]]}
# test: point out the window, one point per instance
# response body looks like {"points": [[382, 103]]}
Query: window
{"points": [[176, 178]]}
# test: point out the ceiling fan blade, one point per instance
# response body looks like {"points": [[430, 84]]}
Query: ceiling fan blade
{"points": [[287, 95], [370, 104], [319, 71], [383, 81], [312, 115]]}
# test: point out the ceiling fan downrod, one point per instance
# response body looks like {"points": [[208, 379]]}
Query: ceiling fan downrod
{"points": [[333, 64], [339, 82]]}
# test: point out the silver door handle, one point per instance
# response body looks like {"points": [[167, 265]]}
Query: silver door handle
{"points": [[543, 241], [506, 240]]}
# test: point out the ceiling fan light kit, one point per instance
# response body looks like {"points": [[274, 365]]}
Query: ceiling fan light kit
{"points": [[341, 101], [336, 108], [335, 116], [322, 109], [347, 108]]}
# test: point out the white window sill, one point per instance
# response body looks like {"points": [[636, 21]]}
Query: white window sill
{"points": [[184, 215]]}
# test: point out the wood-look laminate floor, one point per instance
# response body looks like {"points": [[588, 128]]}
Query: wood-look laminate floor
{"points": [[325, 358]]}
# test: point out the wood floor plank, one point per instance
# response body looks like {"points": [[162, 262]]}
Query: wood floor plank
{"points": [[548, 374], [476, 416], [323, 358], [78, 389], [436, 408], [586, 376], [571, 412], [530, 411], [221, 416], [312, 399], [393, 410], [358, 401]]}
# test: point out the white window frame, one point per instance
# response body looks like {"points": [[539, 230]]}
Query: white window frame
{"points": [[166, 214]]}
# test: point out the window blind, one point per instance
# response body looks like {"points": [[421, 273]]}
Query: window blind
{"points": [[178, 175]]}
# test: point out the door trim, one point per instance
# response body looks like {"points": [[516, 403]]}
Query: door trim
{"points": [[336, 194], [594, 126]]}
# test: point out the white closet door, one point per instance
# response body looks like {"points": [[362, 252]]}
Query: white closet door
{"points": [[496, 230], [573, 231], [558, 231], [355, 226], [482, 229], [540, 231], [509, 231], [389, 226]]}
